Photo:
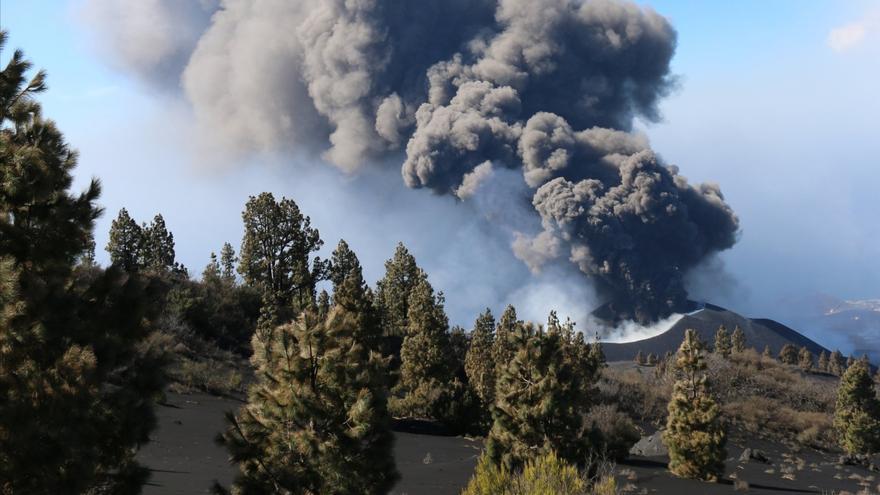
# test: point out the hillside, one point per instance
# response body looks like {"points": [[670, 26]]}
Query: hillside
{"points": [[760, 332]]}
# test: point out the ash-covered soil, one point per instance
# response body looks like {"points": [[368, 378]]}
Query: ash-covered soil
{"points": [[185, 460]]}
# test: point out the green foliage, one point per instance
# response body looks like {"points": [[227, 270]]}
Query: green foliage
{"points": [[541, 395], [640, 358], [215, 310], [723, 343], [426, 365], [503, 346], [823, 361], [342, 264], [479, 362], [352, 293], [836, 363], [738, 339], [857, 412], [79, 364], [402, 274], [126, 240], [276, 252], [316, 418], [805, 359], [695, 434], [158, 247], [547, 474], [788, 354], [147, 247], [228, 261]]}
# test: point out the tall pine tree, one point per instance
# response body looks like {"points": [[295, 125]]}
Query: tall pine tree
{"points": [[158, 246], [695, 434], [126, 242], [723, 344], [738, 339], [316, 420], [402, 274], [79, 365], [276, 252], [479, 364], [425, 369]]}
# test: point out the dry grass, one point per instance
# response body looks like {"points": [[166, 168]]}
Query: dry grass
{"points": [[759, 396]]}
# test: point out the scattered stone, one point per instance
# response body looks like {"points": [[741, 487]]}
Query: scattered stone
{"points": [[754, 455], [868, 462], [650, 446]]}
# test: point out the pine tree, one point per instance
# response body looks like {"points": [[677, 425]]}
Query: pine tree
{"points": [[502, 347], [158, 246], [211, 274], [823, 362], [323, 304], [837, 364], [351, 292], [276, 251], [805, 359], [849, 362], [479, 364], [425, 355], [342, 263], [857, 412], [788, 354], [738, 339], [640, 358], [541, 396], [723, 344], [393, 291], [227, 263], [316, 418], [695, 434], [79, 365], [126, 242]]}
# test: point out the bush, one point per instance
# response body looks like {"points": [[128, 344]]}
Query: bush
{"points": [[545, 475], [616, 431]]}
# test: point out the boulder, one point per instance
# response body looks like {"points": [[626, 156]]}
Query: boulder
{"points": [[756, 455], [650, 446]]}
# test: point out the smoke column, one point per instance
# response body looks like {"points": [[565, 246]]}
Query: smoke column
{"points": [[455, 91]]}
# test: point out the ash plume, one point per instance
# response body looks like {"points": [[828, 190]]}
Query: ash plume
{"points": [[457, 90]]}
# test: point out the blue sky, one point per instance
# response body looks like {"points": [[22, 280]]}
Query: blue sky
{"points": [[768, 106]]}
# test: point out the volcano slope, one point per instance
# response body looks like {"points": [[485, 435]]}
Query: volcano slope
{"points": [[706, 319]]}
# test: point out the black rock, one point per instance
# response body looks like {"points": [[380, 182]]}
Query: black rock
{"points": [[756, 455]]}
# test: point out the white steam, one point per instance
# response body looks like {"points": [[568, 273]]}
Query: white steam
{"points": [[630, 331]]}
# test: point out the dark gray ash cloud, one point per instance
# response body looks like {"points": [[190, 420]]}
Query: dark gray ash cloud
{"points": [[456, 90]]}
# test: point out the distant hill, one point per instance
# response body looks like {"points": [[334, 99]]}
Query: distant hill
{"points": [[852, 325], [759, 332]]}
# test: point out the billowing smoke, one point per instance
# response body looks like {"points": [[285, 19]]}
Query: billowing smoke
{"points": [[456, 90]]}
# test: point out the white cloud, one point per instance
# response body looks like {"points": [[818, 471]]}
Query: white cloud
{"points": [[848, 36]]}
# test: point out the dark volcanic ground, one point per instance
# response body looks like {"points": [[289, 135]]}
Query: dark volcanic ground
{"points": [[185, 460]]}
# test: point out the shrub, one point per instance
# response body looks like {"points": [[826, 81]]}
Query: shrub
{"points": [[544, 475], [616, 431]]}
